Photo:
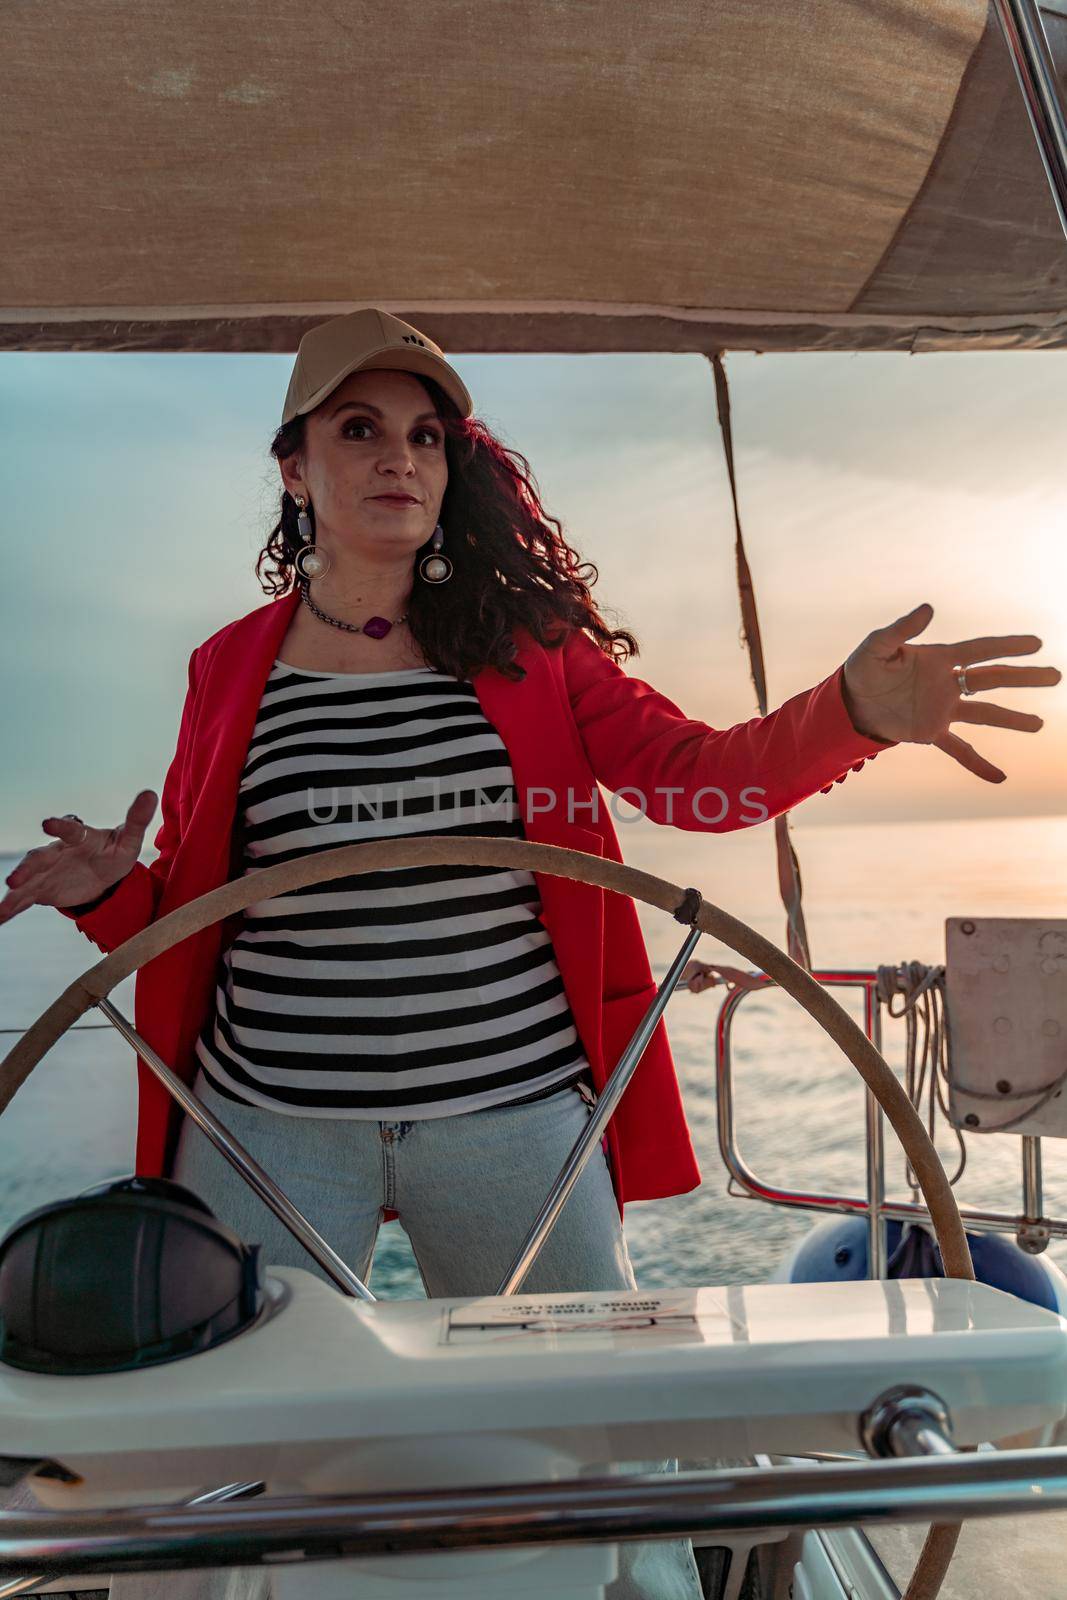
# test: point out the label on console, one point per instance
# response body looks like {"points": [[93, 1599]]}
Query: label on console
{"points": [[670, 1315]]}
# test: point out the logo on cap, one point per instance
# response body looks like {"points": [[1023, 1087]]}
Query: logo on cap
{"points": [[412, 338]]}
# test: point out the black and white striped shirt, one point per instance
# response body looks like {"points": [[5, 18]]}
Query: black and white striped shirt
{"points": [[417, 992]]}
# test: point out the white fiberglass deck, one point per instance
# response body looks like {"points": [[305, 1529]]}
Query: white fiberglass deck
{"points": [[328, 1393]]}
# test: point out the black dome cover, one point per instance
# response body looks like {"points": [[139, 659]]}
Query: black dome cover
{"points": [[127, 1275]]}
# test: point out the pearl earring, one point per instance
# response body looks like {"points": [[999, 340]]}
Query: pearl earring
{"points": [[436, 568], [309, 561]]}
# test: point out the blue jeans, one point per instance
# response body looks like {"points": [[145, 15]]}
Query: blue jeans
{"points": [[466, 1189]]}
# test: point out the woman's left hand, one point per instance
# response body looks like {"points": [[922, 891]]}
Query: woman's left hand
{"points": [[910, 692]]}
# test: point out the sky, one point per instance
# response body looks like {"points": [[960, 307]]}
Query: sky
{"points": [[139, 489]]}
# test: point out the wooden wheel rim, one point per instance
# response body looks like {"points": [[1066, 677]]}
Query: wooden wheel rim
{"points": [[383, 855]]}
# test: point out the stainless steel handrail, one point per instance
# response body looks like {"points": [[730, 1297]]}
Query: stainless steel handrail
{"points": [[211, 1497], [585, 1510], [752, 1187]]}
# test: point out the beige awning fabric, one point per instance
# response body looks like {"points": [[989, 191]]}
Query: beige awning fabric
{"points": [[516, 175]]}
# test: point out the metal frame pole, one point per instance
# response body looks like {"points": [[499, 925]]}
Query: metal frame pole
{"points": [[1033, 1199], [1027, 42], [877, 1253], [1034, 1231]]}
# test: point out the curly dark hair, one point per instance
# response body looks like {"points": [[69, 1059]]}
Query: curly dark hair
{"points": [[511, 568]]}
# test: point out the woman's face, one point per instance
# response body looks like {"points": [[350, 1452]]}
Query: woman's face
{"points": [[377, 432]]}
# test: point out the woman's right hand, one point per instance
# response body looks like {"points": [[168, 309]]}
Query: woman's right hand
{"points": [[81, 863], [698, 976]]}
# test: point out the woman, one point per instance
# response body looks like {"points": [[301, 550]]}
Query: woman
{"points": [[428, 1042]]}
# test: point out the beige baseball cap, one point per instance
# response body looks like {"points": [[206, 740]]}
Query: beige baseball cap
{"points": [[359, 339]]}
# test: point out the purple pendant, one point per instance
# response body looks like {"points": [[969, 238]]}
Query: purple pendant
{"points": [[377, 627]]}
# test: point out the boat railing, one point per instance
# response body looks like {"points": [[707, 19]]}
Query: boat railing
{"points": [[1032, 1230], [939, 1488]]}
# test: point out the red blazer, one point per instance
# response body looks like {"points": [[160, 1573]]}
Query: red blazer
{"points": [[575, 720]]}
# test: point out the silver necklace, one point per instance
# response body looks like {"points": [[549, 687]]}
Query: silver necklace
{"points": [[374, 627]]}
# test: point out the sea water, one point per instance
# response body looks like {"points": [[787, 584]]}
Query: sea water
{"points": [[874, 894]]}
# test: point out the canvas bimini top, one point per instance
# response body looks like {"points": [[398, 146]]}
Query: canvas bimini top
{"points": [[835, 174]]}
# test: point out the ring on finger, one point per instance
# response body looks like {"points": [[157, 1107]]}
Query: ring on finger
{"points": [[73, 818], [961, 679]]}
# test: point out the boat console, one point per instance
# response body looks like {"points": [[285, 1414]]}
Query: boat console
{"points": [[338, 1385], [328, 1395]]}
